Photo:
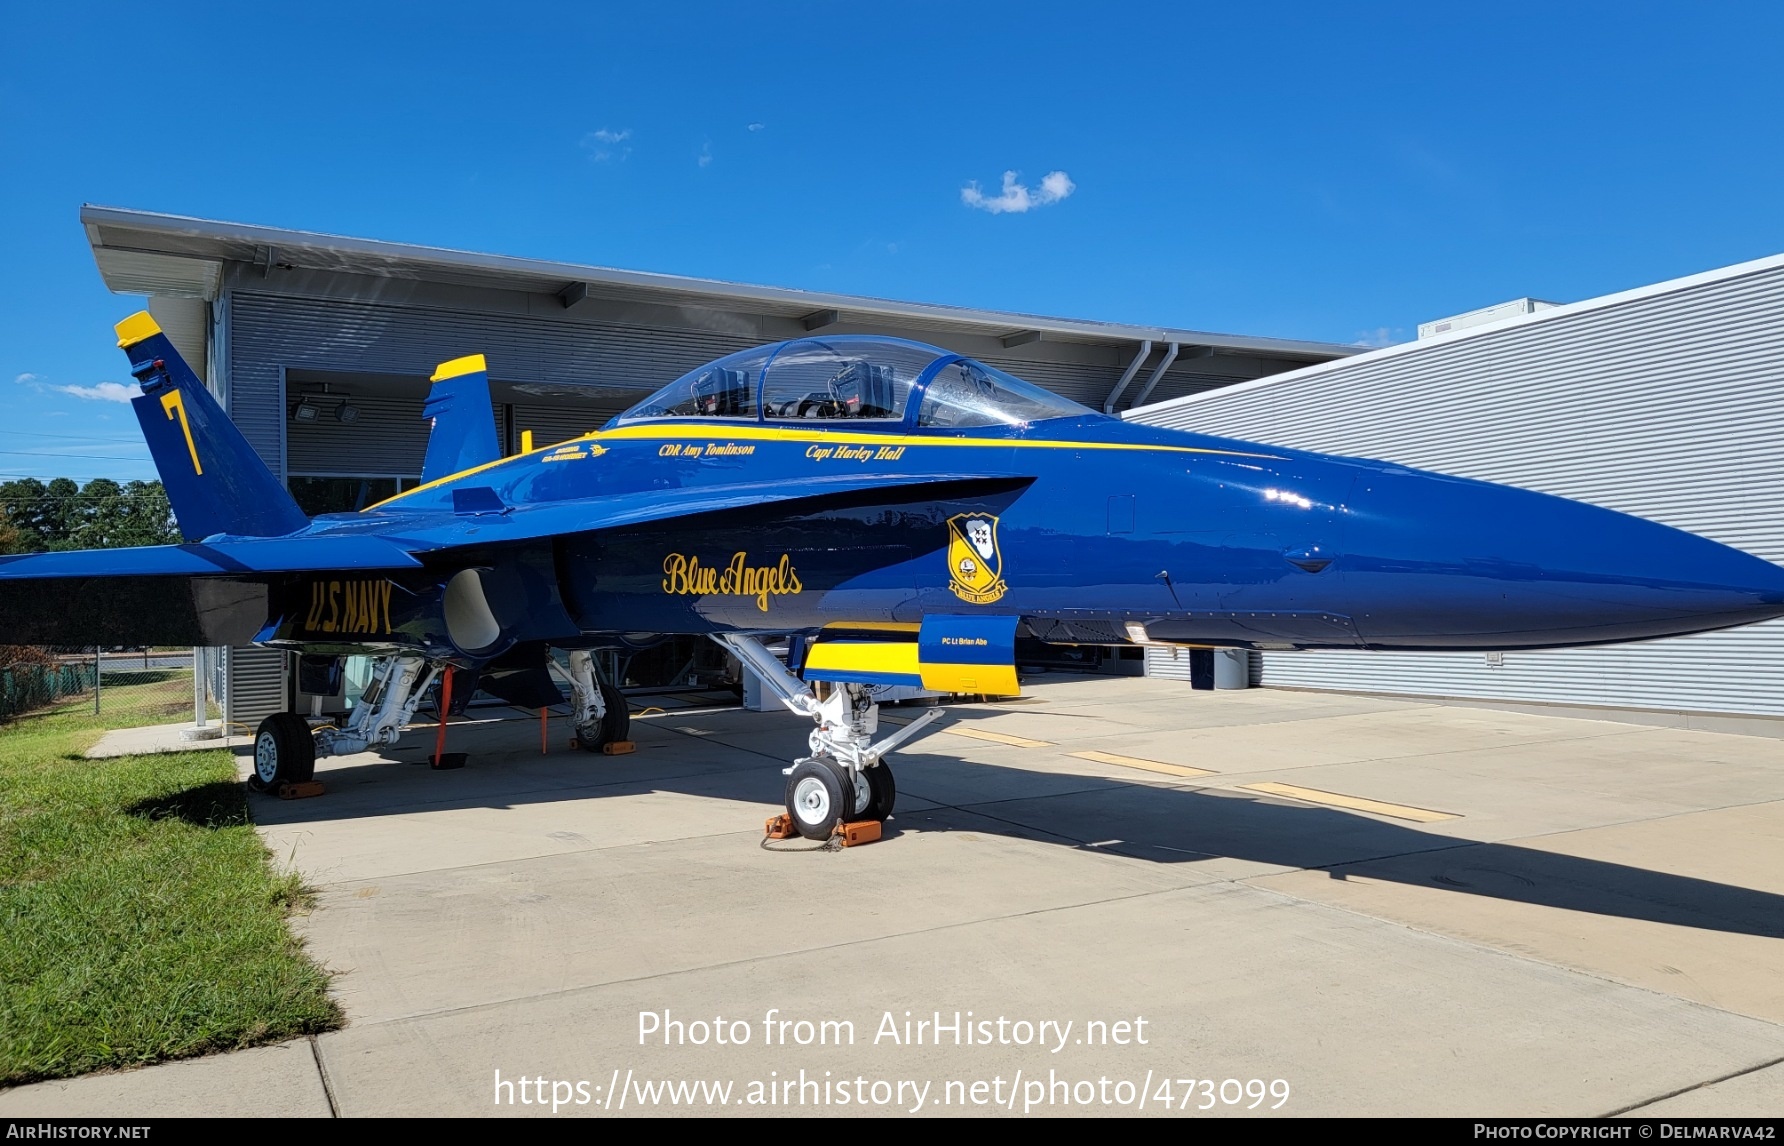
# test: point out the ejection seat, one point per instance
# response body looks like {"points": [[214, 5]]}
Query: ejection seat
{"points": [[722, 394]]}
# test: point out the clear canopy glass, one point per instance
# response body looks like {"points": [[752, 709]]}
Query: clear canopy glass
{"points": [[855, 378], [860, 379], [966, 393], [722, 389]]}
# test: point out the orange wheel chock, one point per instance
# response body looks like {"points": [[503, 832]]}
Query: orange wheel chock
{"points": [[779, 827], [860, 832], [300, 790], [618, 748]]}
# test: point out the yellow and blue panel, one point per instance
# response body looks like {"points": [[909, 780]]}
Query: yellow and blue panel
{"points": [[947, 653]]}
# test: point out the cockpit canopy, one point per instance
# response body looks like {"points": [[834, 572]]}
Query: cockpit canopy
{"points": [[869, 382]]}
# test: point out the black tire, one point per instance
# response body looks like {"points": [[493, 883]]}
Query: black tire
{"points": [[284, 752], [615, 724], [816, 799], [882, 792]]}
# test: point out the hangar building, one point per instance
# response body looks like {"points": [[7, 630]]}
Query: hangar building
{"points": [[1666, 402], [320, 348]]}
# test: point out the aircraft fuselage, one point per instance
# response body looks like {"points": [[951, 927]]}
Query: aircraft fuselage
{"points": [[1085, 526]]}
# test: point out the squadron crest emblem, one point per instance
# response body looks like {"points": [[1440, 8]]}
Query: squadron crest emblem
{"points": [[975, 565]]}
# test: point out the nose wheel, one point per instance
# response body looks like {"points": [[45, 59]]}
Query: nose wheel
{"points": [[822, 794], [874, 797]]}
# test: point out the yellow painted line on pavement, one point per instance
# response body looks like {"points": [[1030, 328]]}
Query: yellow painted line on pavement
{"points": [[1355, 803], [1147, 765], [999, 738]]}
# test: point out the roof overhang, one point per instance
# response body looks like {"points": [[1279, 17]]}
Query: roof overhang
{"points": [[142, 252]]}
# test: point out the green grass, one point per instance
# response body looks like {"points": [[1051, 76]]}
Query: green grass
{"points": [[140, 915]]}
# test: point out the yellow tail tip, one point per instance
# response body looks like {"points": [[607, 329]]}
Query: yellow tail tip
{"points": [[469, 364], [137, 327]]}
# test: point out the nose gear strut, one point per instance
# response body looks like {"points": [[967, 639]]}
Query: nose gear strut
{"points": [[846, 777]]}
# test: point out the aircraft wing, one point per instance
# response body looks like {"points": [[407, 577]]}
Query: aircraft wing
{"points": [[216, 592], [209, 559], [201, 593]]}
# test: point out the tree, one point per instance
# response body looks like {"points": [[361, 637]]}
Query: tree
{"points": [[26, 502], [101, 515]]}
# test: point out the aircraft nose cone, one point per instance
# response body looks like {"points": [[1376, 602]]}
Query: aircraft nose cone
{"points": [[1439, 562]]}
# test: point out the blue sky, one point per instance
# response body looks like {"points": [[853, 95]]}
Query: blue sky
{"points": [[1333, 172]]}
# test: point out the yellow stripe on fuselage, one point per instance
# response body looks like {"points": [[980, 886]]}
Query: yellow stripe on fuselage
{"points": [[751, 432], [759, 433]]}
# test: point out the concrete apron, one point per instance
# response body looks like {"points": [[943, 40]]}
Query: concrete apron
{"points": [[1391, 906]]}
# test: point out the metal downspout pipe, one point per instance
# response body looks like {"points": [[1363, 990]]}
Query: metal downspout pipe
{"points": [[1157, 373], [1128, 376]]}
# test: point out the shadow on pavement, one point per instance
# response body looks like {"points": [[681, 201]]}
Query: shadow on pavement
{"points": [[1149, 822]]}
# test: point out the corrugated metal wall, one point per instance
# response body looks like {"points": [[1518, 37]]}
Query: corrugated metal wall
{"points": [[1170, 663], [387, 439], [187, 324], [1666, 403], [552, 424]]}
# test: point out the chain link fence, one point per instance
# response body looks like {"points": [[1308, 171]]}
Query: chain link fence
{"points": [[24, 687], [136, 686]]}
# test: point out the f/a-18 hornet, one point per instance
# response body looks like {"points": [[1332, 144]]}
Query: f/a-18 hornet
{"points": [[908, 511]]}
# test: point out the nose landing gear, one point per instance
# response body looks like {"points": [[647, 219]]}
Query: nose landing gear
{"points": [[846, 777]]}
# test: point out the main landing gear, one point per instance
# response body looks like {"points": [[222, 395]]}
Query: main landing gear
{"points": [[846, 777], [285, 749], [598, 710]]}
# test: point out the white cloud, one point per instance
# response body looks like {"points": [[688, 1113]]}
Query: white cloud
{"points": [[102, 392], [756, 126], [1380, 336], [604, 144], [706, 154], [1016, 197], [99, 392]]}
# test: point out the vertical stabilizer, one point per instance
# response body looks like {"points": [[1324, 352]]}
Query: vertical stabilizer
{"points": [[464, 422], [215, 481]]}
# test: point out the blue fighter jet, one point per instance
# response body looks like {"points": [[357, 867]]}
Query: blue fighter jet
{"points": [[909, 512]]}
